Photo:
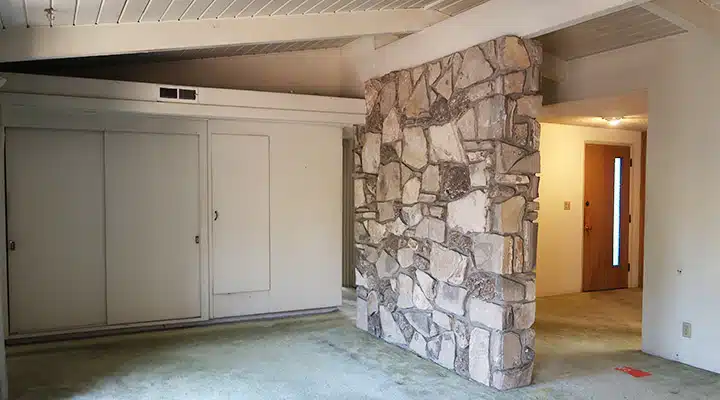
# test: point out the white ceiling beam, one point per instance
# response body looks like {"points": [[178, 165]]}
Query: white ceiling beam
{"points": [[689, 15], [495, 18], [82, 41]]}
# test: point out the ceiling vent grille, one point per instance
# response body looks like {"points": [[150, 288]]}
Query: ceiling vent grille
{"points": [[177, 94]]}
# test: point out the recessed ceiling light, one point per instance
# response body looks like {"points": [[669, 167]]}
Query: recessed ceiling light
{"points": [[614, 121]]}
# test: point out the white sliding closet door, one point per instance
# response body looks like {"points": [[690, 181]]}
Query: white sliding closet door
{"points": [[153, 217], [241, 203], [56, 271]]}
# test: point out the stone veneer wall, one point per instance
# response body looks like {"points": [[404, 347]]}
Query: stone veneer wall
{"points": [[445, 187]]}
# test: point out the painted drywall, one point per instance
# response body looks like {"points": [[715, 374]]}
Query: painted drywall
{"points": [[682, 218], [326, 72], [560, 236], [305, 219]]}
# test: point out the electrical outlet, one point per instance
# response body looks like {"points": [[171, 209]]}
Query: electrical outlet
{"points": [[687, 330], [567, 205]]}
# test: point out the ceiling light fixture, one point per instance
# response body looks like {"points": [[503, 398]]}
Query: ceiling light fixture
{"points": [[614, 121]]}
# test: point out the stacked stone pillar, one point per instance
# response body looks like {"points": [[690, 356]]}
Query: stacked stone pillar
{"points": [[445, 204]]}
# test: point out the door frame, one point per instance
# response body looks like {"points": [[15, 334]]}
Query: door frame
{"points": [[25, 116], [634, 238]]}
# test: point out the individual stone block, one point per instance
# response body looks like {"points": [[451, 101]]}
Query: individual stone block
{"points": [[418, 105], [405, 291], [390, 328], [426, 283], [462, 361], [387, 267], [386, 211], [512, 179], [371, 153], [412, 215], [361, 233], [491, 118], [417, 72], [493, 253], [436, 212], [360, 280], [462, 334], [505, 350], [509, 215], [388, 96], [405, 85], [481, 91], [454, 181], [511, 53], [418, 345], [396, 227], [514, 83], [420, 300], [447, 265], [478, 177], [389, 182], [373, 303], [518, 256], [527, 165], [411, 191], [520, 134], [377, 231], [414, 147], [475, 68], [359, 189], [361, 320], [509, 290], [441, 319], [405, 257], [420, 321], [443, 86], [434, 70], [466, 125], [511, 379], [451, 298], [431, 228], [524, 315], [371, 94], [506, 157], [431, 179], [468, 214], [427, 198], [479, 356], [529, 106], [459, 242], [391, 127], [445, 345], [527, 338], [489, 314], [445, 146]]}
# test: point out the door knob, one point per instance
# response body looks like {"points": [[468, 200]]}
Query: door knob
{"points": [[588, 228], [11, 245]]}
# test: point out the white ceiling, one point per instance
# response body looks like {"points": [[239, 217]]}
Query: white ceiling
{"points": [[632, 107], [34, 13], [613, 31]]}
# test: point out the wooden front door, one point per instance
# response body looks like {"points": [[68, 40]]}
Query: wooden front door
{"points": [[606, 217]]}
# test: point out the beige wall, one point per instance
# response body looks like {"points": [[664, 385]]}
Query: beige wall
{"points": [[327, 72], [560, 237]]}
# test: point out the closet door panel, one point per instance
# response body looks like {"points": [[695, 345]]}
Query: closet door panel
{"points": [[56, 260], [153, 217], [241, 201]]}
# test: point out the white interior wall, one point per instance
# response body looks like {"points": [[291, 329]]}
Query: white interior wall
{"points": [[327, 72], [560, 235], [682, 220]]}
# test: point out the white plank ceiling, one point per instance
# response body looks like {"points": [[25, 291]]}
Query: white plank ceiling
{"points": [[613, 31], [37, 13]]}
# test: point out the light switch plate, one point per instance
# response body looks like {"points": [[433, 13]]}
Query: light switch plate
{"points": [[687, 330], [567, 205]]}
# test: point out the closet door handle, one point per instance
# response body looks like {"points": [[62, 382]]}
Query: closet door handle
{"points": [[11, 245], [216, 215]]}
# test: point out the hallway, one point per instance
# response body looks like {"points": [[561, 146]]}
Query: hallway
{"points": [[326, 357]]}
